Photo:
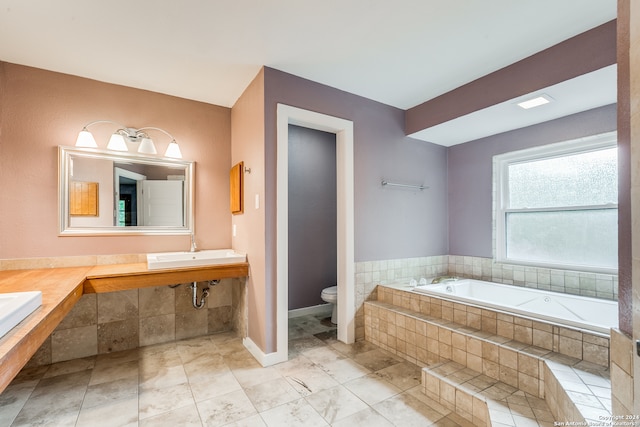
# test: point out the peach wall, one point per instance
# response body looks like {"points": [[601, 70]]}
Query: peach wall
{"points": [[40, 110], [247, 144]]}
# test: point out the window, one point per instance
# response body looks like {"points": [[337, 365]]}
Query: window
{"points": [[557, 205]]}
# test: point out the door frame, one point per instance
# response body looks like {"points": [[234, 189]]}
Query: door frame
{"points": [[343, 130]]}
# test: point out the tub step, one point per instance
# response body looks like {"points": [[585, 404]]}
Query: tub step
{"points": [[481, 400], [575, 390]]}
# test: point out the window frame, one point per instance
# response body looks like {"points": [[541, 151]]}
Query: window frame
{"points": [[501, 164]]}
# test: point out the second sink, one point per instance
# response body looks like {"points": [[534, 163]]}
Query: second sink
{"points": [[191, 259]]}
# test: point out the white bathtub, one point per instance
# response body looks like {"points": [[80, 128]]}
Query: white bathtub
{"points": [[590, 314]]}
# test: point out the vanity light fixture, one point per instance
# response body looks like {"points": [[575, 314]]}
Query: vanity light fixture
{"points": [[124, 136], [535, 102]]}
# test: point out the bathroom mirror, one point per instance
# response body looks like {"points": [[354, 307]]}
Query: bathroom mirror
{"points": [[134, 194]]}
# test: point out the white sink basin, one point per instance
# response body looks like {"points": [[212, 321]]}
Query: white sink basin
{"points": [[193, 259], [14, 307]]}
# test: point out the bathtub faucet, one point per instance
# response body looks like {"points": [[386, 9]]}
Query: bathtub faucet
{"points": [[443, 279]]}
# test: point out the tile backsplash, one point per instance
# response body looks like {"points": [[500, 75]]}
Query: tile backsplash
{"points": [[115, 321]]}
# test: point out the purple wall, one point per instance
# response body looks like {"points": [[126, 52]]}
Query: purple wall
{"points": [[389, 223], [312, 215], [470, 173]]}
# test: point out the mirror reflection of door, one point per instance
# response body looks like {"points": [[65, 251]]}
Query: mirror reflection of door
{"points": [[162, 203], [126, 197]]}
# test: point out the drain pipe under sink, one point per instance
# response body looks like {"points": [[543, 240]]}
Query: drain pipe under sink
{"points": [[203, 299]]}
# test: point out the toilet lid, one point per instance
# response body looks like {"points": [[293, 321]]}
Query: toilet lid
{"points": [[332, 290]]}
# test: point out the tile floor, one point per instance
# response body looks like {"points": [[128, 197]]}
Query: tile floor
{"points": [[214, 381]]}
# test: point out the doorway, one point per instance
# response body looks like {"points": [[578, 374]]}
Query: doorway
{"points": [[343, 129], [312, 218], [126, 197]]}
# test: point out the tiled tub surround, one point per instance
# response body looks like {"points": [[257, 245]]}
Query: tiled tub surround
{"points": [[622, 373], [582, 345], [603, 286], [369, 274], [485, 351], [116, 321]]}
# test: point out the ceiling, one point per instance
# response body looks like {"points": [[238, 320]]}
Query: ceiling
{"points": [[582, 93], [400, 52]]}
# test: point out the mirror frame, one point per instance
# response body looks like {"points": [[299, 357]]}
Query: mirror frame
{"points": [[64, 159]]}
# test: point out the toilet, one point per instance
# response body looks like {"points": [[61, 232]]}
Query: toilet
{"points": [[330, 295]]}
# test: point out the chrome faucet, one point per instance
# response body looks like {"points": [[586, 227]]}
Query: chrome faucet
{"points": [[443, 279], [194, 247]]}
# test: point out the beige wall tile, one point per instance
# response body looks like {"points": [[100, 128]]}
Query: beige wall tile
{"points": [[118, 336], [622, 386], [74, 343], [479, 412], [621, 350], [464, 402], [459, 356], [523, 334], [157, 329], [433, 346], [509, 376], [156, 301], [444, 336], [474, 346], [528, 365], [523, 322], [570, 333], [219, 319], [505, 329], [444, 350], [192, 324], [460, 317], [84, 313], [508, 358], [528, 384], [474, 362], [491, 369], [489, 324], [447, 313], [595, 354], [490, 352], [474, 321], [542, 339], [410, 324], [114, 306], [570, 347], [447, 393], [459, 341]]}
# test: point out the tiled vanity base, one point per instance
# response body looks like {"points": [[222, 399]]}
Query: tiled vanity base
{"points": [[575, 390]]}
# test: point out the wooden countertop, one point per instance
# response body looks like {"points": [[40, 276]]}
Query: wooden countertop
{"points": [[118, 277], [62, 288]]}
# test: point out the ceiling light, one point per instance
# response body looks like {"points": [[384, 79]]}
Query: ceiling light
{"points": [[124, 136], [535, 102]]}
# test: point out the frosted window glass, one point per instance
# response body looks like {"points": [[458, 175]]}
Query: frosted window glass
{"points": [[575, 180], [586, 237]]}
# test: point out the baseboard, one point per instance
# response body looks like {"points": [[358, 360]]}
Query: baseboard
{"points": [[265, 359], [316, 309]]}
